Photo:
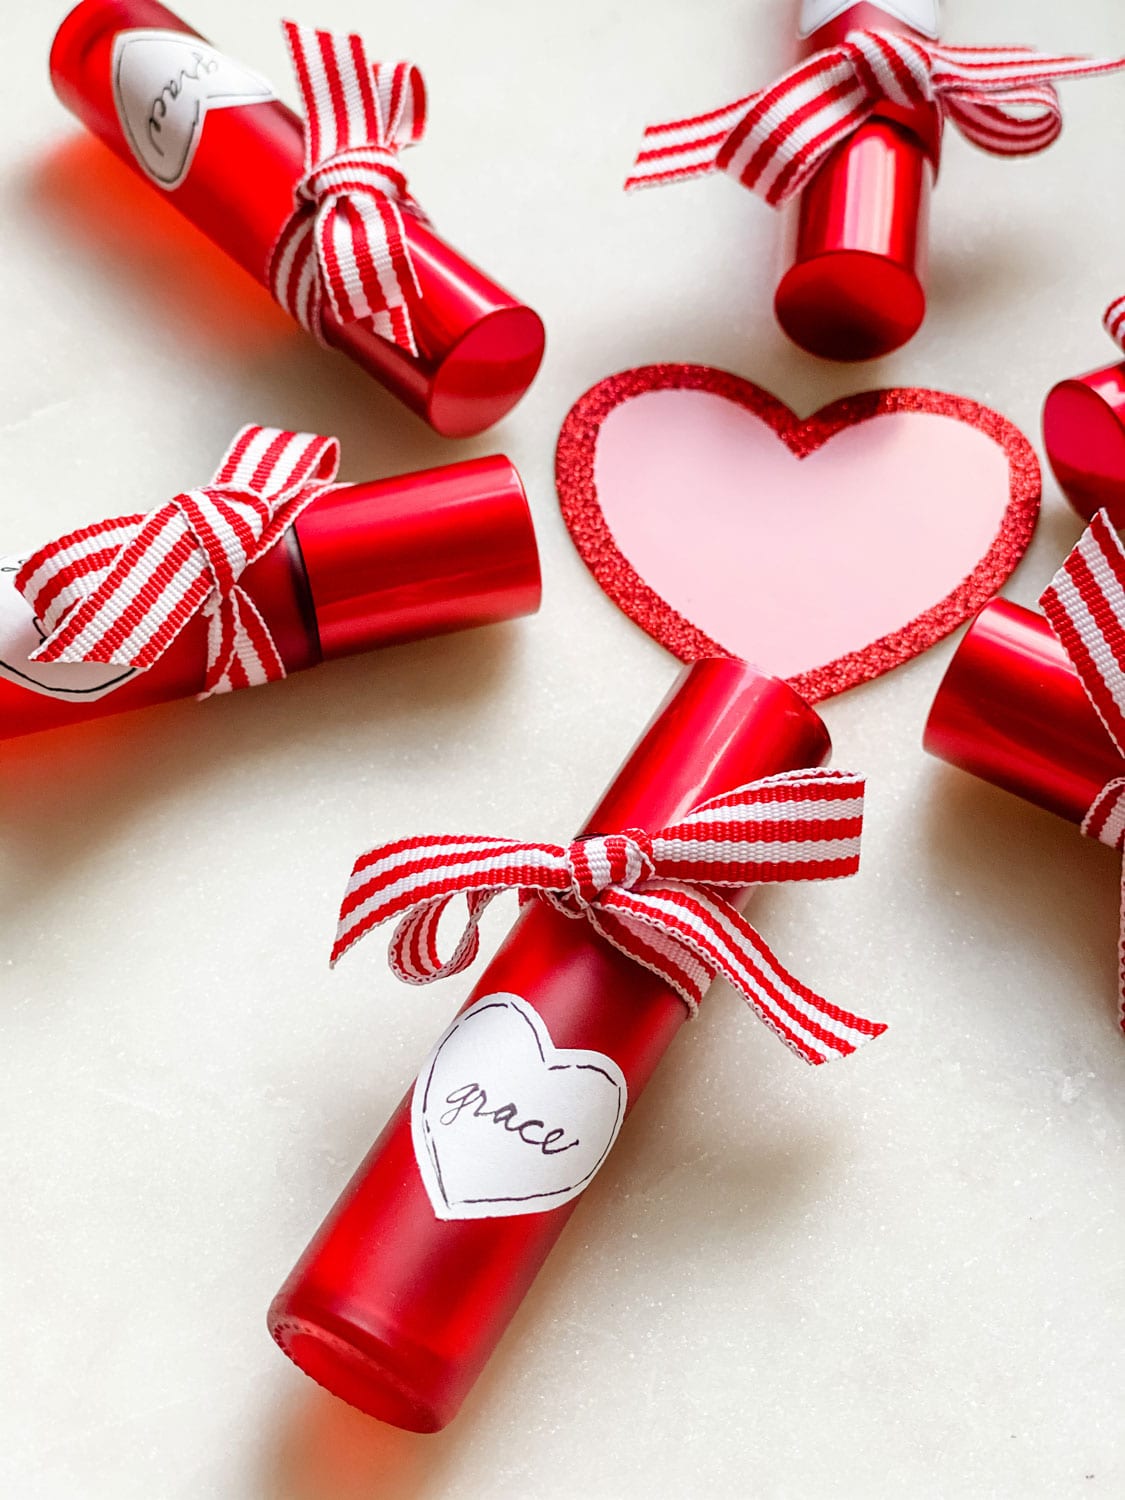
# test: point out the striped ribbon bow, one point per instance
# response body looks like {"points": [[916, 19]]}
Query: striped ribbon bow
{"points": [[345, 244], [648, 894], [1085, 607], [774, 140], [121, 591]]}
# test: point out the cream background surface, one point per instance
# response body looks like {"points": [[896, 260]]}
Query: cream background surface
{"points": [[902, 1276]]}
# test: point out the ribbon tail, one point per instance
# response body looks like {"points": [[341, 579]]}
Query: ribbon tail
{"points": [[240, 650], [727, 944], [800, 825], [56, 579], [119, 622], [294, 274], [1085, 608], [655, 949], [366, 267], [397, 278], [679, 149], [658, 165]]}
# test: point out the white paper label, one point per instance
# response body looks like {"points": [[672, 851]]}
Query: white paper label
{"points": [[21, 634], [506, 1123], [164, 82], [923, 15]]}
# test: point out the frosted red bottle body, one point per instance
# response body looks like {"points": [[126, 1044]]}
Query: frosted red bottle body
{"points": [[1012, 710], [365, 565], [854, 288], [397, 1310], [479, 347]]}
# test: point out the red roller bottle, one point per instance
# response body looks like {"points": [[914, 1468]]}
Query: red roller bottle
{"points": [[855, 286], [365, 565], [1084, 435], [1012, 710], [396, 1310], [479, 348]]}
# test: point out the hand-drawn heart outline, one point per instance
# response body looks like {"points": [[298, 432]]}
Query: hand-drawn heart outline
{"points": [[590, 532], [520, 1022]]}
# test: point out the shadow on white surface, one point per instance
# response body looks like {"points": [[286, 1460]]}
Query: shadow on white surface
{"points": [[69, 795], [1026, 881], [166, 282], [1000, 241], [142, 247], [694, 1207], [326, 1450]]}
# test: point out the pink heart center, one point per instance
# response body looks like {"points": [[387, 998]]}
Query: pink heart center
{"points": [[793, 562]]}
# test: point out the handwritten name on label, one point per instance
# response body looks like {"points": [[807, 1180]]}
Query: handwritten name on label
{"points": [[922, 15], [504, 1122], [21, 634], [164, 83]]}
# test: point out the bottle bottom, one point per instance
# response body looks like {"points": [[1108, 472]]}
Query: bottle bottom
{"points": [[850, 305], [367, 1373]]}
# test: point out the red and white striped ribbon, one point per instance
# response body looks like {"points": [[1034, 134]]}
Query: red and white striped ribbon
{"points": [[1085, 607], [1114, 322], [345, 245], [121, 591], [774, 140], [650, 895]]}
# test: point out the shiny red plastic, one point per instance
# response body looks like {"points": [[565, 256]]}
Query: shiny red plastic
{"points": [[420, 554], [855, 286], [1084, 435], [479, 347], [1011, 709], [397, 1311], [366, 565]]}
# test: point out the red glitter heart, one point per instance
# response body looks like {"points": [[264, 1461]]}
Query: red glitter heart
{"points": [[584, 517]]}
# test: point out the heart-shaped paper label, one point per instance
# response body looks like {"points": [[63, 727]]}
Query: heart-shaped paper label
{"points": [[164, 83], [825, 551], [503, 1122], [923, 15]]}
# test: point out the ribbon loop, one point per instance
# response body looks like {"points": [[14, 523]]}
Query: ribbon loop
{"points": [[345, 246], [1001, 99], [640, 893], [123, 590], [1085, 607]]}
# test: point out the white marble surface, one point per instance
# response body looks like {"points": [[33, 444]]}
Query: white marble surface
{"points": [[901, 1277]]}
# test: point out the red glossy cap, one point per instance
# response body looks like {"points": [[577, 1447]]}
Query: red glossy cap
{"points": [[1084, 435], [420, 554], [855, 289], [856, 286], [723, 723], [1012, 710], [479, 348]]}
